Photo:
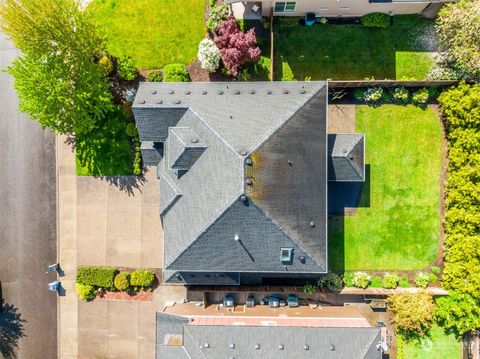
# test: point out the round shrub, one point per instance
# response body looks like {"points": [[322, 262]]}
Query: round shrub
{"points": [[209, 55], [126, 69], [309, 289], [155, 76], [85, 291], [376, 19], [421, 96], [142, 278], [376, 282], [400, 94], [403, 283], [358, 94], [373, 94], [175, 73], [131, 130], [390, 281], [217, 15], [436, 270], [361, 279], [106, 65], [97, 276], [422, 279], [332, 281], [122, 281]]}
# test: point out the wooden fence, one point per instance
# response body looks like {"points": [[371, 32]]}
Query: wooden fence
{"points": [[389, 83]]}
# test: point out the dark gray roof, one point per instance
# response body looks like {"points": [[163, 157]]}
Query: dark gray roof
{"points": [[240, 342], [346, 160], [202, 278], [232, 120]]}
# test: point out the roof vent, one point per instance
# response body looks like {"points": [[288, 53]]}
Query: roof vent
{"points": [[312, 224], [243, 198], [159, 102], [290, 163], [194, 140], [187, 92], [236, 237], [281, 347], [249, 161], [142, 101], [232, 346], [257, 346], [243, 152], [206, 345], [285, 92], [177, 102], [269, 92], [332, 347], [302, 91], [153, 92], [306, 347], [351, 157], [302, 259], [171, 92], [220, 92], [249, 181], [237, 92], [252, 92], [204, 92]]}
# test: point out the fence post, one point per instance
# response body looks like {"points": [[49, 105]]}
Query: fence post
{"points": [[271, 44]]}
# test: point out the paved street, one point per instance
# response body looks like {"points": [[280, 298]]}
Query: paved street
{"points": [[27, 228]]}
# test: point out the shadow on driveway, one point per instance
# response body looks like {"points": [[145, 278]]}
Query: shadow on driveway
{"points": [[11, 330]]}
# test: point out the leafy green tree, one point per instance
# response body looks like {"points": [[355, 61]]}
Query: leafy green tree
{"points": [[413, 313], [459, 312], [56, 77], [458, 27]]}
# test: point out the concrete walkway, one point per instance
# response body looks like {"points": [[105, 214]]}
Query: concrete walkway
{"points": [[341, 118], [110, 221]]}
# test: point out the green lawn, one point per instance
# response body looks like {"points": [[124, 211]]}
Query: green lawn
{"points": [[397, 225], [154, 33], [354, 52], [108, 150], [437, 345]]}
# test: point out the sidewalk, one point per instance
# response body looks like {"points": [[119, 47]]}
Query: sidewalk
{"points": [[111, 221]]}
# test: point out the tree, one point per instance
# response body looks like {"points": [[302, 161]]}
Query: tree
{"points": [[56, 78], [458, 28], [459, 312], [236, 47], [413, 313]]}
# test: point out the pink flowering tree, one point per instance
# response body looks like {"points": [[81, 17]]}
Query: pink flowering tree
{"points": [[236, 47]]}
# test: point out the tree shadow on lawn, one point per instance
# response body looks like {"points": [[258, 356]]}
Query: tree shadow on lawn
{"points": [[343, 198], [11, 330], [352, 52]]}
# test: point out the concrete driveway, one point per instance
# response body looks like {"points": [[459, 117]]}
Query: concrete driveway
{"points": [[28, 325]]}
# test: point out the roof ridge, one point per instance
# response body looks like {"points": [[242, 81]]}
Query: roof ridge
{"points": [[367, 348], [194, 340], [288, 118]]}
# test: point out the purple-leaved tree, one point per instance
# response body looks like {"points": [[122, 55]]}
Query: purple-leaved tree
{"points": [[236, 47]]}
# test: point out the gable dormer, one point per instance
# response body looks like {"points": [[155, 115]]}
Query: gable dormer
{"points": [[184, 148]]}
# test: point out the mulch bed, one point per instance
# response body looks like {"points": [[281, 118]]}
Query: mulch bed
{"points": [[197, 74], [140, 296]]}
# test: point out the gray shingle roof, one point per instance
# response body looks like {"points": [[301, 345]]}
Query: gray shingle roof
{"points": [[346, 157], [231, 120], [340, 343], [184, 147]]}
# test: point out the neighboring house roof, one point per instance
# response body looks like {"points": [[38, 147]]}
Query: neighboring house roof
{"points": [[238, 341], [347, 157], [253, 182]]}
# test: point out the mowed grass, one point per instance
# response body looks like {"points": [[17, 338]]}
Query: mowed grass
{"points": [[108, 150], [437, 345], [153, 32], [397, 225], [354, 52]]}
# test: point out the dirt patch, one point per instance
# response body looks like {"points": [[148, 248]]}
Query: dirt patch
{"points": [[341, 118], [197, 74]]}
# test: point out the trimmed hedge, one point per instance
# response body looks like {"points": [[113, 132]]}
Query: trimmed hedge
{"points": [[142, 278], [460, 107], [126, 69], [97, 276]]}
